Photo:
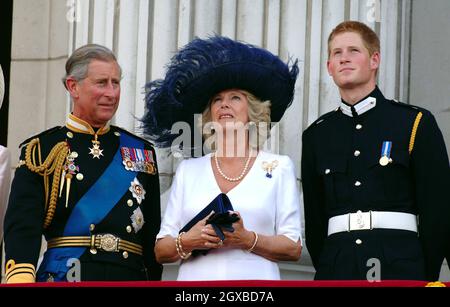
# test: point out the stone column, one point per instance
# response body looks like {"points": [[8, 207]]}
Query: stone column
{"points": [[39, 50]]}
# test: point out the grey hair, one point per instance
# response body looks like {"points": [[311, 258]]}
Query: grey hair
{"points": [[78, 63]]}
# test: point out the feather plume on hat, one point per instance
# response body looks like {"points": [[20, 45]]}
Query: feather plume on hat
{"points": [[205, 67]]}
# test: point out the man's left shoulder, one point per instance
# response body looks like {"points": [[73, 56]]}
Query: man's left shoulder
{"points": [[131, 134], [413, 109]]}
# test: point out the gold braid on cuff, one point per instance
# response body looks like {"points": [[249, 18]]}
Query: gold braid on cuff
{"points": [[19, 272]]}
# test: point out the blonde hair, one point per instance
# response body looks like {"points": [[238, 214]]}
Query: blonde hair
{"points": [[258, 115], [369, 37]]}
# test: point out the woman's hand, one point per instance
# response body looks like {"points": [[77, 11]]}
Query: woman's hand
{"points": [[274, 248], [240, 237], [201, 236]]}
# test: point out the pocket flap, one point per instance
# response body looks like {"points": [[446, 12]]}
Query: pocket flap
{"points": [[332, 166], [400, 157]]}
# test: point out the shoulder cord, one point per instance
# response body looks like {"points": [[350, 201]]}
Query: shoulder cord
{"points": [[52, 164], [414, 132]]}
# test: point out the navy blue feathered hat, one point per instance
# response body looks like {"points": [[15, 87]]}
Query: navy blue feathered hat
{"points": [[205, 67]]}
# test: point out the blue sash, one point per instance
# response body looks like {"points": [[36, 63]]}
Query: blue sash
{"points": [[92, 208]]}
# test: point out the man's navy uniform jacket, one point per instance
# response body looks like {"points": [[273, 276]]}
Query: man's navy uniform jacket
{"points": [[342, 173], [122, 205]]}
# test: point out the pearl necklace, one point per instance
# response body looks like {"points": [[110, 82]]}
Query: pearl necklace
{"points": [[243, 171]]}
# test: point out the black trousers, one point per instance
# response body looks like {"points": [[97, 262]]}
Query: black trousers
{"points": [[104, 271], [96, 271], [379, 254]]}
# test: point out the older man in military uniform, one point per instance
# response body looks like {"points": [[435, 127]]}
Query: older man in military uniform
{"points": [[90, 188], [370, 170]]}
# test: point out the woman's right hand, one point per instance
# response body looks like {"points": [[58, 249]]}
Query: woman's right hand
{"points": [[201, 236]]}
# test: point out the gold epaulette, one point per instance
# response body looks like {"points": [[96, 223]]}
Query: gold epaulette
{"points": [[20, 273], [53, 164], [414, 132]]}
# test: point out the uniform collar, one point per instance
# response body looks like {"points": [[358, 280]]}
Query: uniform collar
{"points": [[361, 107], [78, 125]]}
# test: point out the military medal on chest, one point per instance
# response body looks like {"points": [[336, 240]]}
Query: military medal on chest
{"points": [[137, 190], [69, 171], [138, 160], [386, 153], [95, 151], [80, 126], [137, 219]]}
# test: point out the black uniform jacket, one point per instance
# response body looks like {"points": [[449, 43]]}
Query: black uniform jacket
{"points": [[25, 215], [341, 173]]}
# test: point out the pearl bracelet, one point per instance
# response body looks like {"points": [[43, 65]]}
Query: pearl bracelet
{"points": [[179, 247]]}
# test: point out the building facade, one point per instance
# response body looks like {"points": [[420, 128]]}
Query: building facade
{"points": [[144, 34]]}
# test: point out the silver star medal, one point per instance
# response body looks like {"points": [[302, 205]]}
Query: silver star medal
{"points": [[95, 151], [137, 219], [137, 190]]}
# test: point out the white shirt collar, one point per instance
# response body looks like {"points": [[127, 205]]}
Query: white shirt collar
{"points": [[360, 108]]}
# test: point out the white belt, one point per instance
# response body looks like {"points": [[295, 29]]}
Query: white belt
{"points": [[372, 219]]}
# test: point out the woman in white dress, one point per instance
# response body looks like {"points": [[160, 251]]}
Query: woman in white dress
{"points": [[261, 186]]}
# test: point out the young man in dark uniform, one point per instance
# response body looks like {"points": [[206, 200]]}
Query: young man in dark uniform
{"points": [[92, 189], [375, 175]]}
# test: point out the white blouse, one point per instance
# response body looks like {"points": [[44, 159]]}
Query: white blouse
{"points": [[5, 182], [269, 206]]}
